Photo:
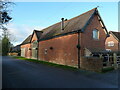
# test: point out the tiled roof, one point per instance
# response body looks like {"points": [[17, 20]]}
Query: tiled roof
{"points": [[38, 34], [94, 50], [27, 40], [74, 24], [116, 35]]}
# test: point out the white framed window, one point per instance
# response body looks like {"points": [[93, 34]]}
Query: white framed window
{"points": [[111, 44], [95, 34]]}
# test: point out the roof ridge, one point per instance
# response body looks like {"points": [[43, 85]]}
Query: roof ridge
{"points": [[114, 31], [36, 30], [25, 40], [115, 34], [69, 19], [81, 14]]}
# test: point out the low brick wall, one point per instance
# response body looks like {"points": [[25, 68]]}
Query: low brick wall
{"points": [[91, 63]]}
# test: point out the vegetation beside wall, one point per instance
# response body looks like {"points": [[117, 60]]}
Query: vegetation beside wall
{"points": [[107, 69], [103, 70], [47, 63]]}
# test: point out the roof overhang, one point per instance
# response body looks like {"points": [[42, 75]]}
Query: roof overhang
{"points": [[100, 19]]}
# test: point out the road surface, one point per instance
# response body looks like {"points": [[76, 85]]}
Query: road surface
{"points": [[24, 74]]}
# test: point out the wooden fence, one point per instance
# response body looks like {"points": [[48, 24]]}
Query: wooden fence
{"points": [[111, 60]]}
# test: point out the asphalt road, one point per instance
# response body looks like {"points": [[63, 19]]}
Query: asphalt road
{"points": [[25, 74]]}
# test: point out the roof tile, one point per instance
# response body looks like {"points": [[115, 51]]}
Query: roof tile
{"points": [[27, 40], [71, 25]]}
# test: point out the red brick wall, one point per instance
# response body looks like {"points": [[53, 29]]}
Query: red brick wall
{"points": [[87, 40], [92, 63], [27, 51], [113, 48], [33, 51], [64, 50], [34, 37]]}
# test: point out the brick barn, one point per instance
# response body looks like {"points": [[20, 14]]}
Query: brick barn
{"points": [[25, 47], [113, 42], [67, 41]]}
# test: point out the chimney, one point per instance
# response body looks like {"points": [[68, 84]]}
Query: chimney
{"points": [[62, 24]]}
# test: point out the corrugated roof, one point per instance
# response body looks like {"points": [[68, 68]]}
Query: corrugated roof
{"points": [[71, 25], [116, 34], [27, 40]]}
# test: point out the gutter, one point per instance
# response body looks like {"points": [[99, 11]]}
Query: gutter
{"points": [[69, 33], [118, 45], [78, 46], [30, 50], [37, 49]]}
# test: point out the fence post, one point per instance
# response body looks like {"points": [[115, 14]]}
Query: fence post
{"points": [[115, 60], [100, 55], [101, 58]]}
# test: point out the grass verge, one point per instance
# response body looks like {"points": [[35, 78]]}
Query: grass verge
{"points": [[47, 63], [107, 69], [104, 70]]}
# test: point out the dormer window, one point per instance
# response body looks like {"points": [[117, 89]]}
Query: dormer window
{"points": [[95, 34]]}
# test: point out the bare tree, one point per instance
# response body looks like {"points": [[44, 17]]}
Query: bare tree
{"points": [[4, 20], [4, 11]]}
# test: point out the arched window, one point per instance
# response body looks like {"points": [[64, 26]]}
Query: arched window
{"points": [[95, 34]]}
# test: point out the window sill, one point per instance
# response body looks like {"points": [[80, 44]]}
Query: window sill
{"points": [[110, 46], [96, 39]]}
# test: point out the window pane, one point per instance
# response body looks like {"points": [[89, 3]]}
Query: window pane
{"points": [[111, 43], [95, 34]]}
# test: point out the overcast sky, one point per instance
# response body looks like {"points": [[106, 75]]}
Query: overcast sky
{"points": [[28, 16]]}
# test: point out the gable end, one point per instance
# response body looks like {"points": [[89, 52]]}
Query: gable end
{"points": [[100, 19]]}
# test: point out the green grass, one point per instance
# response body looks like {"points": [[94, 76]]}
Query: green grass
{"points": [[107, 69], [47, 63], [104, 70]]}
